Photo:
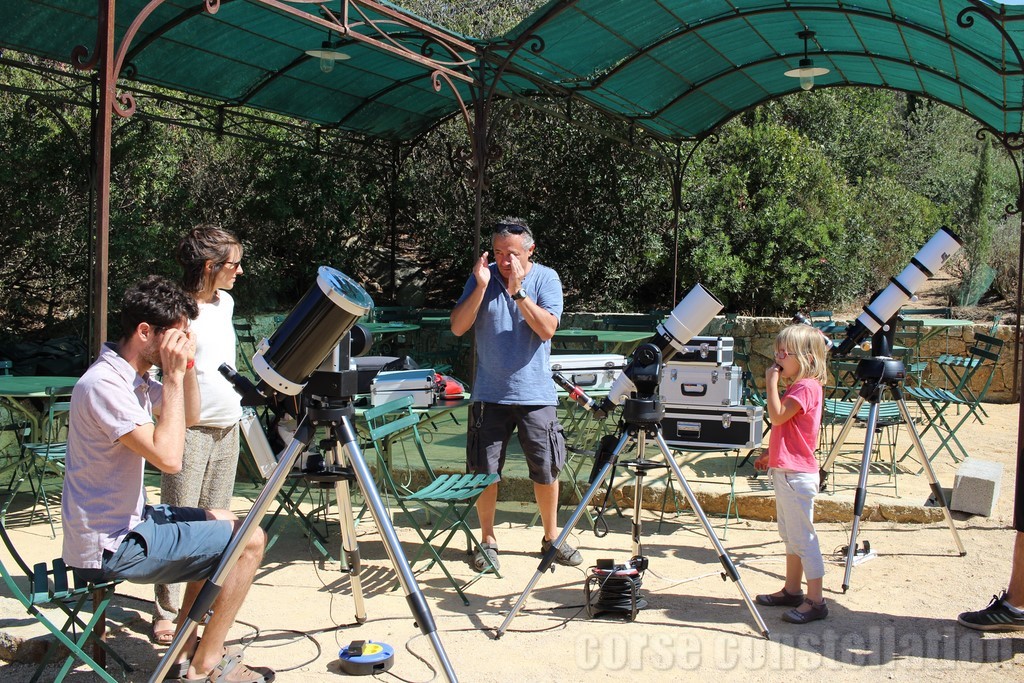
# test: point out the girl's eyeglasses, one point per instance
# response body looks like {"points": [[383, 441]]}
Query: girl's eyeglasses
{"points": [[783, 355]]}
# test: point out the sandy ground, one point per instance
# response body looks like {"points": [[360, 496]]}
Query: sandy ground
{"points": [[897, 620]]}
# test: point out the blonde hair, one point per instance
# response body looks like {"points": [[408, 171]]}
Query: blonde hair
{"points": [[807, 344]]}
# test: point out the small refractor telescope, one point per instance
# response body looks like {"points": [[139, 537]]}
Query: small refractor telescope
{"points": [[883, 307], [698, 308]]}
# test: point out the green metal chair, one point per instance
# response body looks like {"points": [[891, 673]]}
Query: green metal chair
{"points": [[12, 426], [447, 499], [971, 376], [247, 345], [44, 459], [835, 413], [44, 586]]}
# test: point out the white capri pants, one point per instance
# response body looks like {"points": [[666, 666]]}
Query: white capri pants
{"points": [[794, 506]]}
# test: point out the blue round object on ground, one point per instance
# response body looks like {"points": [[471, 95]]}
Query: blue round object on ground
{"points": [[364, 658]]}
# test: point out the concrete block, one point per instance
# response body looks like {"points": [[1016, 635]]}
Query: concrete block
{"points": [[976, 487]]}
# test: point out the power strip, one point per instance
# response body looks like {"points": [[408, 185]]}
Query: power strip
{"points": [[861, 554], [860, 557]]}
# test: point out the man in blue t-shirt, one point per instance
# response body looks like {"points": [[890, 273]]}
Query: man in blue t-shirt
{"points": [[513, 306]]}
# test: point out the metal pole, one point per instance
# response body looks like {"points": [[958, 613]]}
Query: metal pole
{"points": [[101, 236]]}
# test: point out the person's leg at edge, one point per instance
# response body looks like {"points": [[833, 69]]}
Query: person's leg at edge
{"points": [[236, 586], [547, 502], [486, 505], [1015, 591], [795, 575]]}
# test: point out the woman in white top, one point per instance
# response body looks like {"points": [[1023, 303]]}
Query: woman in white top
{"points": [[211, 259]]}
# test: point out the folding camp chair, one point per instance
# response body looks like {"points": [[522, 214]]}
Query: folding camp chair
{"points": [[971, 376], [45, 586], [447, 498], [43, 458]]}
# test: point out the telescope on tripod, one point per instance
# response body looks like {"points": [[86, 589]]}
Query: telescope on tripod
{"points": [[637, 390], [881, 373], [292, 379]]}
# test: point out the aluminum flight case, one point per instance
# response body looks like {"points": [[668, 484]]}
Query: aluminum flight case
{"points": [[707, 351], [592, 372], [420, 384], [687, 384], [713, 427]]}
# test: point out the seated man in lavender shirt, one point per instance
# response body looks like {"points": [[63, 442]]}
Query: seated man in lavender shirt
{"points": [[109, 530]]}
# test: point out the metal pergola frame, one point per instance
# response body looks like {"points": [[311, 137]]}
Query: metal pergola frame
{"points": [[485, 78]]}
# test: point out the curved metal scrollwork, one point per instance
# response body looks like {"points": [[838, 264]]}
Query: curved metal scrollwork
{"points": [[965, 20], [1013, 143], [535, 44], [80, 58]]}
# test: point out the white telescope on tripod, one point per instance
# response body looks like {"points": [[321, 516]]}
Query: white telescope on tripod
{"points": [[687, 319]]}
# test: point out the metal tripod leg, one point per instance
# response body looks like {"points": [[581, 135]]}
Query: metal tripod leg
{"points": [[549, 556], [417, 603], [862, 483], [861, 495], [211, 589], [349, 544], [933, 480], [723, 557], [838, 445]]}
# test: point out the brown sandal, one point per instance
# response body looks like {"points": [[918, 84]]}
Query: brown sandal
{"points": [[163, 635]]}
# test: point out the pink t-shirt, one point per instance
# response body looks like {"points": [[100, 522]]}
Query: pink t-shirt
{"points": [[793, 442]]}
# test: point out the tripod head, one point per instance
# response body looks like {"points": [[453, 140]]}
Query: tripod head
{"points": [[880, 369], [643, 407]]}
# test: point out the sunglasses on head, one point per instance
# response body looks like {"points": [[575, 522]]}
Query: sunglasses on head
{"points": [[512, 229]]}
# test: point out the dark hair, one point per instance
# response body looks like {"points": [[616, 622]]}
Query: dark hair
{"points": [[203, 243], [158, 301]]}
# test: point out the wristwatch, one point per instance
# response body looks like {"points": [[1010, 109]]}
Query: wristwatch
{"points": [[520, 295]]}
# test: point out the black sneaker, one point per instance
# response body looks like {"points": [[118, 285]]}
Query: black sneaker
{"points": [[998, 616], [566, 555]]}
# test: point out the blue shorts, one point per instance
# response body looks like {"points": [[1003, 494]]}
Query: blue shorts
{"points": [[490, 429], [170, 545]]}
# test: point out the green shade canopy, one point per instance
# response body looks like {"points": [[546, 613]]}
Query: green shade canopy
{"points": [[679, 68], [253, 53]]}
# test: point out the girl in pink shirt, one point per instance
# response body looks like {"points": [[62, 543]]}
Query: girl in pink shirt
{"points": [[800, 361]]}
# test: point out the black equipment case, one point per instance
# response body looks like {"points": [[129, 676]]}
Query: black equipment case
{"points": [[703, 427], [706, 350]]}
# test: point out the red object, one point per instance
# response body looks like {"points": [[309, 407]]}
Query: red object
{"points": [[449, 387], [191, 364]]}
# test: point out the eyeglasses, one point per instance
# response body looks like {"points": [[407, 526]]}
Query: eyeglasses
{"points": [[783, 355], [233, 265]]}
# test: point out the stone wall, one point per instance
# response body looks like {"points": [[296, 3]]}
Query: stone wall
{"points": [[759, 333]]}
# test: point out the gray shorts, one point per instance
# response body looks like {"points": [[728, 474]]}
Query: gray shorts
{"points": [[170, 545], [490, 430]]}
